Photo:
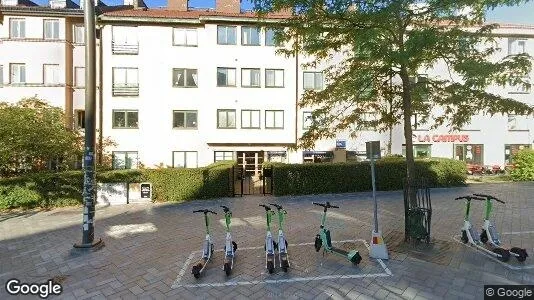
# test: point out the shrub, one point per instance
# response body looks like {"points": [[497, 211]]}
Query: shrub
{"points": [[523, 165], [295, 179]]}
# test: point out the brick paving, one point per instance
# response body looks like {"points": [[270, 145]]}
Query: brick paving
{"points": [[146, 246]]}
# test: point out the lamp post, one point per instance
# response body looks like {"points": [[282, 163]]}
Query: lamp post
{"points": [[89, 185], [378, 247]]}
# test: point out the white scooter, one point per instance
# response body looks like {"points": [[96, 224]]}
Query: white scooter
{"points": [[283, 255], [230, 247], [270, 245]]}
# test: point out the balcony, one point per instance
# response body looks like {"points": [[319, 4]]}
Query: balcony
{"points": [[125, 90], [125, 48]]}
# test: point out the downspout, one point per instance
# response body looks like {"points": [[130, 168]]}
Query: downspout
{"points": [[296, 89]]}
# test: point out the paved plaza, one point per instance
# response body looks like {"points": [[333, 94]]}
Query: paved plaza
{"points": [[149, 249]]}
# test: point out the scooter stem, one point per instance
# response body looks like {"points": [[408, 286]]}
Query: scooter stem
{"points": [[467, 209], [489, 208], [228, 219], [207, 221]]}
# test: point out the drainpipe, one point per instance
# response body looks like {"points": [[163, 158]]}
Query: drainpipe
{"points": [[296, 89]]}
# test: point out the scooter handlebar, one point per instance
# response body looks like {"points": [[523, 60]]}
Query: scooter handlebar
{"points": [[225, 208], [267, 208], [279, 207], [470, 198], [204, 211], [327, 205], [489, 197]]}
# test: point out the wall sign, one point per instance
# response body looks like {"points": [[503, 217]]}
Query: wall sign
{"points": [[341, 144], [441, 138], [146, 191]]}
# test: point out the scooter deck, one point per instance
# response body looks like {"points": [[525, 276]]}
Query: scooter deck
{"points": [[340, 251]]}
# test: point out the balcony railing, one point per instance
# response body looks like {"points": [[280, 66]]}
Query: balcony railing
{"points": [[124, 48], [125, 90]]}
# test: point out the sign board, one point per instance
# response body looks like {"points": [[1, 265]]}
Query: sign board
{"points": [[341, 144], [146, 190], [441, 138], [374, 148], [112, 193], [139, 192]]}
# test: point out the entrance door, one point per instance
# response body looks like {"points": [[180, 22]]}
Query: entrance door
{"points": [[250, 162]]}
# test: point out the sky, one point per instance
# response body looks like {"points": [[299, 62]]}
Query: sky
{"points": [[523, 14]]}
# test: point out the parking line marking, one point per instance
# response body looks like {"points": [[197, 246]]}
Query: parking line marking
{"points": [[517, 232], [267, 281]]}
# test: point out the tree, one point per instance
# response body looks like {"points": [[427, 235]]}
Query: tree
{"points": [[379, 47], [33, 134]]}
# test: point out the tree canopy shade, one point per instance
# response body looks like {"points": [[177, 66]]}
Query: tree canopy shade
{"points": [[380, 47]]}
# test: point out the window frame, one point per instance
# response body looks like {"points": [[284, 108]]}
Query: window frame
{"points": [[226, 40], [265, 39], [45, 21], [185, 29], [417, 145], [251, 111], [125, 111], [224, 155], [186, 70], [113, 155], [11, 20], [11, 65], [76, 79], [227, 110], [235, 77], [74, 40], [1, 76], [251, 69], [185, 159], [44, 75], [77, 119], [274, 121], [304, 119], [185, 119], [315, 73], [258, 29], [275, 86]]}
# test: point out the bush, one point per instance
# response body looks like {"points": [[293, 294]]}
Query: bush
{"points": [[65, 188], [297, 179], [523, 169]]}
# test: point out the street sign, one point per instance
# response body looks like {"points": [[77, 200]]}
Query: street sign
{"points": [[341, 144], [373, 147], [146, 190]]}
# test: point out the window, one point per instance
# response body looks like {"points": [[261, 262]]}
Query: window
{"points": [[124, 40], [50, 74], [226, 35], [125, 82], [511, 149], [184, 159], [517, 122], [307, 119], [274, 119], [185, 37], [250, 119], [317, 156], [80, 119], [225, 76], [274, 78], [313, 80], [184, 119], [419, 84], [277, 156], [125, 159], [520, 88], [18, 73], [471, 154], [126, 119], [224, 155], [184, 77], [250, 36], [516, 46], [250, 77], [17, 28], [419, 150], [269, 37], [79, 34], [1, 75], [79, 76], [51, 29], [226, 118]]}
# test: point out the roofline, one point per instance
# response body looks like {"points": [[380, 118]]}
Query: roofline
{"points": [[41, 11], [197, 20]]}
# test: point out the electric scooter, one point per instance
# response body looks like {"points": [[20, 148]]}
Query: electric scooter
{"points": [[270, 245], [207, 249], [230, 247], [490, 234], [470, 235], [283, 256], [324, 240]]}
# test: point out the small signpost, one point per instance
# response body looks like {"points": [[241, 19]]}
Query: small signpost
{"points": [[378, 247], [146, 190]]}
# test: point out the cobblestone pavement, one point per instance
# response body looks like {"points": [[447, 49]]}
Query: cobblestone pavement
{"points": [[146, 247]]}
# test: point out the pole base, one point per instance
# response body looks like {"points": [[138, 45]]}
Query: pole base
{"points": [[96, 245], [378, 247]]}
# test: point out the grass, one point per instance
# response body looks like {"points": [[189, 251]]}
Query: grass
{"points": [[489, 178]]}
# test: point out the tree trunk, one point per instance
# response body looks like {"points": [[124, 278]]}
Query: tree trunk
{"points": [[407, 114]]}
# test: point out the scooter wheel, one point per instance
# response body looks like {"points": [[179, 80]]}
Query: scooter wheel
{"points": [[521, 253], [356, 259], [196, 271], [464, 237], [285, 265], [318, 243], [275, 245], [270, 267], [505, 254], [227, 269], [235, 245], [484, 236]]}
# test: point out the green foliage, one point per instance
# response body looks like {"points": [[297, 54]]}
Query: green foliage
{"points": [[47, 189], [297, 179], [33, 133], [523, 165]]}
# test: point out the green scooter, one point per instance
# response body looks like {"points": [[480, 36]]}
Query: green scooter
{"points": [[270, 245], [324, 240], [283, 256], [207, 249], [230, 246]]}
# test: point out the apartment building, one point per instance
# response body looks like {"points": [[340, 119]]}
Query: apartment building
{"points": [[42, 55], [186, 87]]}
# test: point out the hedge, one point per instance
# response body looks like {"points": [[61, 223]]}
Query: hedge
{"points": [[65, 188], [300, 179], [523, 169]]}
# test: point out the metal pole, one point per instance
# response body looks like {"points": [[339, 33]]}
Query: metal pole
{"points": [[89, 194], [374, 189]]}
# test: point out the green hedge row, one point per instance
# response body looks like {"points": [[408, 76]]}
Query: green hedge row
{"points": [[65, 188], [299, 179], [523, 165]]}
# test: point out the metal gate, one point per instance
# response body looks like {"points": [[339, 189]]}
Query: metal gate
{"points": [[249, 184], [417, 211]]}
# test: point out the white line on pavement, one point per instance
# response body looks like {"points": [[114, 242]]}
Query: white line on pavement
{"points": [[184, 268], [517, 232]]}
